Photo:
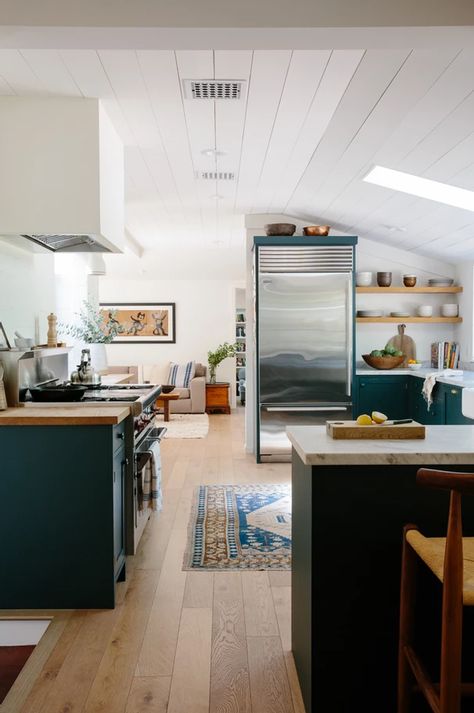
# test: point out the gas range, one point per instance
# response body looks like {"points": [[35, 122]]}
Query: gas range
{"points": [[140, 397]]}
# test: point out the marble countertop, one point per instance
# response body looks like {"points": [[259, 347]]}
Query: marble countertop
{"points": [[64, 416], [463, 380], [443, 445]]}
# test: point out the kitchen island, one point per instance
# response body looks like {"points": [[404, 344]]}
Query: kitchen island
{"points": [[350, 502], [62, 524]]}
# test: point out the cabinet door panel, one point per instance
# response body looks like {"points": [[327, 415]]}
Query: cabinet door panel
{"points": [[119, 485], [453, 406], [419, 408], [386, 394]]}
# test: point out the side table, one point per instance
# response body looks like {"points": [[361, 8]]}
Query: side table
{"points": [[163, 401], [217, 397]]}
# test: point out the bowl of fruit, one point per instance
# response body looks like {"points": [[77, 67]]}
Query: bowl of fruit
{"points": [[387, 358], [413, 364]]}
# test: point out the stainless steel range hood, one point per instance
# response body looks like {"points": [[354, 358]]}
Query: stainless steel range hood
{"points": [[61, 175], [68, 243]]}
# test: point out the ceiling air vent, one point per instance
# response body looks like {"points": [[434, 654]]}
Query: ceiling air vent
{"points": [[213, 88], [215, 175]]}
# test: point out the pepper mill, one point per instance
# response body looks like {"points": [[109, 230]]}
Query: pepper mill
{"points": [[52, 331]]}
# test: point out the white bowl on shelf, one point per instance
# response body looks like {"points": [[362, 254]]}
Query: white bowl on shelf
{"points": [[363, 279], [424, 311], [414, 367], [449, 310]]}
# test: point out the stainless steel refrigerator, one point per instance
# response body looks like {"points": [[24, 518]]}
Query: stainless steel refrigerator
{"points": [[304, 339]]}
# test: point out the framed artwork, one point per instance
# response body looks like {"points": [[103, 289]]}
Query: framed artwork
{"points": [[4, 343], [140, 323]]}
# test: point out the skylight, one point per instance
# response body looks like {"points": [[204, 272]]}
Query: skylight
{"points": [[421, 187]]}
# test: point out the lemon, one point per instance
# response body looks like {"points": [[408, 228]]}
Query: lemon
{"points": [[378, 417], [364, 420]]}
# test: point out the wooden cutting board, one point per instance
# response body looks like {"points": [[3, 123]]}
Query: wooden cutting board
{"points": [[350, 430], [404, 343]]}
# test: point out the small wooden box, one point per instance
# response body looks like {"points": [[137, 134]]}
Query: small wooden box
{"points": [[217, 397], [350, 430]]}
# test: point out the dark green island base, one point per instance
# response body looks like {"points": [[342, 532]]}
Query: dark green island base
{"points": [[61, 515], [347, 519]]}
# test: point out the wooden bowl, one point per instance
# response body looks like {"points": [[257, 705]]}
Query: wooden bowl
{"points": [[383, 362], [167, 388], [316, 230], [280, 229]]}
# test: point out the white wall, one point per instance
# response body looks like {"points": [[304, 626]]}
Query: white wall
{"points": [[26, 290], [205, 318], [378, 257]]}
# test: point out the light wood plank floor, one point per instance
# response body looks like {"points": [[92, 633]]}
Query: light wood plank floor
{"points": [[177, 642]]}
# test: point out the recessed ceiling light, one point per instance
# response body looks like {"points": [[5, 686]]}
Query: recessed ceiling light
{"points": [[213, 152], [421, 187], [216, 196]]}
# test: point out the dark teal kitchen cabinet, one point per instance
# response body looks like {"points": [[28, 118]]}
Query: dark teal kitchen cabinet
{"points": [[61, 516], [388, 394], [453, 406], [401, 397], [418, 406]]}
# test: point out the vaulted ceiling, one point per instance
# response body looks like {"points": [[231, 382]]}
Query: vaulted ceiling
{"points": [[307, 128]]}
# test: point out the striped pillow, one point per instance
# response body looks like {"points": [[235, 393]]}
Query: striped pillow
{"points": [[181, 374]]}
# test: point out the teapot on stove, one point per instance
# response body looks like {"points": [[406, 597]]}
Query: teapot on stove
{"points": [[85, 373]]}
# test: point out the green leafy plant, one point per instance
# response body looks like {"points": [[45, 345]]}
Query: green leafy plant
{"points": [[94, 326], [214, 358]]}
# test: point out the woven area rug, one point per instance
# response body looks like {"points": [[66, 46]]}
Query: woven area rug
{"points": [[239, 527], [186, 425]]}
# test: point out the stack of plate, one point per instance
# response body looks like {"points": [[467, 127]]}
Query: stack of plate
{"points": [[400, 314], [369, 313], [440, 282]]}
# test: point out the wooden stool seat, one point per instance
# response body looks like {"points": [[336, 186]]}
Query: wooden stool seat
{"points": [[431, 550]]}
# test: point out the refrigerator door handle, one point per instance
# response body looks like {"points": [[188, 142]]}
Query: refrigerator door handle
{"points": [[349, 335], [306, 408]]}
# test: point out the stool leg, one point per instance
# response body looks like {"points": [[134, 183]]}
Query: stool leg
{"points": [[451, 620], [407, 617]]}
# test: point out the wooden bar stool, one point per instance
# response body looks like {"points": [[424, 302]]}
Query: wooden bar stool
{"points": [[451, 559]]}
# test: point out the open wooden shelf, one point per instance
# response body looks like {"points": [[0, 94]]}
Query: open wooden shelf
{"points": [[410, 320], [407, 290]]}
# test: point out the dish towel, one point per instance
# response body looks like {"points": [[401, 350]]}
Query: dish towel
{"points": [[152, 494], [430, 381]]}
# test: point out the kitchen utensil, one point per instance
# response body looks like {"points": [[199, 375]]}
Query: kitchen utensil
{"points": [[85, 373], [403, 343], [363, 279], [449, 310], [350, 430], [3, 398], [424, 311], [52, 330], [316, 229], [280, 229], [382, 362], [440, 282], [409, 280], [64, 392], [384, 279], [369, 313], [167, 388]]}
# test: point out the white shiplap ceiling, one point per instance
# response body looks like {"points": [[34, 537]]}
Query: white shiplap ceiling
{"points": [[310, 125]]}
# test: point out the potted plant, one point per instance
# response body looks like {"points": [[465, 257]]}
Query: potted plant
{"points": [[96, 328], [214, 358]]}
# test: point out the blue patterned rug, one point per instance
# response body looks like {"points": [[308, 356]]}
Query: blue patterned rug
{"points": [[240, 527]]}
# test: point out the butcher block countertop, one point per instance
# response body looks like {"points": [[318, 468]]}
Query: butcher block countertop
{"points": [[64, 416]]}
